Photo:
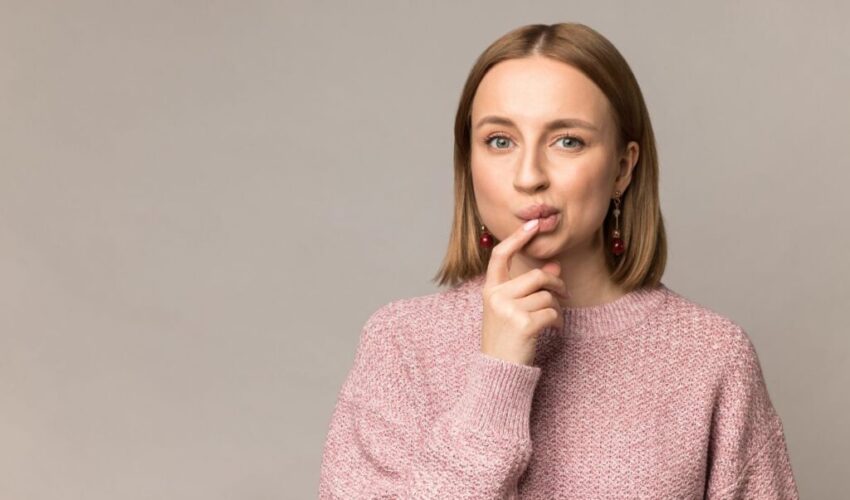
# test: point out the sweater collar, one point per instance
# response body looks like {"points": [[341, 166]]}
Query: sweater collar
{"points": [[609, 318]]}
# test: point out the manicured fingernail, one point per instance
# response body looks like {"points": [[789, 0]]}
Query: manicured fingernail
{"points": [[530, 224]]}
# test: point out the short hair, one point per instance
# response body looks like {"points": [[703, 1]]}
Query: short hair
{"points": [[641, 222]]}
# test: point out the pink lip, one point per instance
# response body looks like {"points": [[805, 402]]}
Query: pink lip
{"points": [[537, 211], [549, 223]]}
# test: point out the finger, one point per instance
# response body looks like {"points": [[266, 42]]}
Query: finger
{"points": [[540, 300], [498, 269], [546, 317], [552, 267], [534, 280]]}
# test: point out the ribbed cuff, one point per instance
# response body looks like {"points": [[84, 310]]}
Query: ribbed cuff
{"points": [[498, 395]]}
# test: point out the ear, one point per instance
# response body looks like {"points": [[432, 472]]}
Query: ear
{"points": [[626, 164]]}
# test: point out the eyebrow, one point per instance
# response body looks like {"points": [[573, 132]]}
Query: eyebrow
{"points": [[552, 125]]}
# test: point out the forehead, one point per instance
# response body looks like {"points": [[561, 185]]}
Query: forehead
{"points": [[537, 89]]}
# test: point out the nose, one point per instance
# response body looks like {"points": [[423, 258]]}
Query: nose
{"points": [[530, 175]]}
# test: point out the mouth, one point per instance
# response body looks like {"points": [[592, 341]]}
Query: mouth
{"points": [[538, 211], [547, 223], [549, 216]]}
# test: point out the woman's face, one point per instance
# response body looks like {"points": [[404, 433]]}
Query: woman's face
{"points": [[518, 159]]}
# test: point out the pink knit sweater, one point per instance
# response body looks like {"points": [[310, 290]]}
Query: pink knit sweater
{"points": [[649, 396]]}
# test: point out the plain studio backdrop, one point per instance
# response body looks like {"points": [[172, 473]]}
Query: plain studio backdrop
{"points": [[201, 202]]}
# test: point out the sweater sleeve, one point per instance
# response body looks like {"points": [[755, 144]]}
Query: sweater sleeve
{"points": [[748, 455], [380, 445]]}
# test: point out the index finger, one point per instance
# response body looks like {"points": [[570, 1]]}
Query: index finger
{"points": [[500, 258]]}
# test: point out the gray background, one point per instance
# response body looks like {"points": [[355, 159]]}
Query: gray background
{"points": [[202, 202]]}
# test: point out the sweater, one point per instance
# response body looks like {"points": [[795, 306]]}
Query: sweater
{"points": [[649, 396]]}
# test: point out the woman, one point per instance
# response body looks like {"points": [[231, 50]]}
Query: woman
{"points": [[557, 365]]}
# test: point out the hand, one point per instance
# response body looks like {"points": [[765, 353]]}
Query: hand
{"points": [[517, 310]]}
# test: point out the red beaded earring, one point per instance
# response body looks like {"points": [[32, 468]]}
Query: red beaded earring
{"points": [[617, 245], [486, 239]]}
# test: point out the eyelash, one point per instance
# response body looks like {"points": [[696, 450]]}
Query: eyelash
{"points": [[493, 136]]}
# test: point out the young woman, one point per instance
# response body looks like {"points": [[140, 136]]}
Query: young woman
{"points": [[557, 364]]}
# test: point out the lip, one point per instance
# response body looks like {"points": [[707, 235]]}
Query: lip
{"points": [[549, 223], [536, 211]]}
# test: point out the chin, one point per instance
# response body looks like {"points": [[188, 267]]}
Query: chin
{"points": [[544, 246]]}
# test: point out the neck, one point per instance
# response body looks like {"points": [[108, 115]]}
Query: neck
{"points": [[614, 317]]}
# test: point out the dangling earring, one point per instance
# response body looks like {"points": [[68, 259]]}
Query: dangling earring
{"points": [[617, 246], [486, 239]]}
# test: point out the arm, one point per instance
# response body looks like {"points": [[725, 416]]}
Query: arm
{"points": [[380, 446], [748, 453]]}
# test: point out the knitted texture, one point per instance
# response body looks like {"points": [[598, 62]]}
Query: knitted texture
{"points": [[648, 396]]}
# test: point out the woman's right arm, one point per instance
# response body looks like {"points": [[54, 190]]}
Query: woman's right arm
{"points": [[380, 445]]}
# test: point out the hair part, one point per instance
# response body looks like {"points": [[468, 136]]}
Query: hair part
{"points": [[641, 222]]}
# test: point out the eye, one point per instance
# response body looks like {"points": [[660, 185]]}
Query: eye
{"points": [[499, 141], [575, 140], [503, 140]]}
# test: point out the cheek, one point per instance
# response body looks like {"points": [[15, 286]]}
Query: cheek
{"points": [[590, 214], [487, 187], [586, 203], [491, 193]]}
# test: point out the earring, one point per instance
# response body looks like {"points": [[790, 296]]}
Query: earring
{"points": [[486, 239], [617, 245]]}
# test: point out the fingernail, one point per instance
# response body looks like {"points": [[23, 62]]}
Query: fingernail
{"points": [[530, 224]]}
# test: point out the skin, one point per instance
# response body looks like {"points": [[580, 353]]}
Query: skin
{"points": [[529, 164], [533, 273]]}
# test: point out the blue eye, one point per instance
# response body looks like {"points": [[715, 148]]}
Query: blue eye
{"points": [[489, 140], [575, 139], [505, 141]]}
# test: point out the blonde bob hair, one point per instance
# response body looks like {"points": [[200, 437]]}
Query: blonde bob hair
{"points": [[641, 224]]}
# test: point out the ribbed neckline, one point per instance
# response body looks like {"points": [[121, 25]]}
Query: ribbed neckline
{"points": [[628, 311]]}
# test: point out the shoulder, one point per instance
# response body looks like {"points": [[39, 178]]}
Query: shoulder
{"points": [[419, 314], [726, 339]]}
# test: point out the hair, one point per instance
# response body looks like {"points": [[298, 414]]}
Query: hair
{"points": [[641, 222]]}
